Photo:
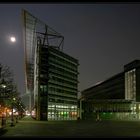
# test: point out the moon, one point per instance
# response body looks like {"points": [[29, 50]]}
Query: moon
{"points": [[13, 39]]}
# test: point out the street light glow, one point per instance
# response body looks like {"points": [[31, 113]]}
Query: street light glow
{"points": [[4, 86]]}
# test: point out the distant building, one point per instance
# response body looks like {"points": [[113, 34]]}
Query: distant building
{"points": [[51, 74], [115, 98]]}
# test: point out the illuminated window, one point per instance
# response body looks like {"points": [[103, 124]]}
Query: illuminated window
{"points": [[130, 85]]}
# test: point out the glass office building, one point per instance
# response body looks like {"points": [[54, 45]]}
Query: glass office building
{"points": [[115, 98], [51, 74]]}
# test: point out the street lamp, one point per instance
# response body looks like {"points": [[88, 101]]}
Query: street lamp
{"points": [[0, 70], [12, 114], [3, 86], [3, 122]]}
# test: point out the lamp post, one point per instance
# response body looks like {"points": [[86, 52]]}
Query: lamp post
{"points": [[0, 70], [12, 114], [3, 122]]}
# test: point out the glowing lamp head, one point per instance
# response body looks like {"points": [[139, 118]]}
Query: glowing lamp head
{"points": [[3, 86]]}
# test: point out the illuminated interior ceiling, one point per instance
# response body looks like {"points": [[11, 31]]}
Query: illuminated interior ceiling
{"points": [[34, 30]]}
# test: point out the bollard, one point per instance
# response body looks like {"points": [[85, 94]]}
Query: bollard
{"points": [[12, 122]]}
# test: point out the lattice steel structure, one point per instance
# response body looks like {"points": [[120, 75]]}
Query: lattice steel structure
{"points": [[35, 30]]}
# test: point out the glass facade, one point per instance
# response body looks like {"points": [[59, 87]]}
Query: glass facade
{"points": [[130, 85], [58, 82], [57, 111], [51, 75], [30, 45], [115, 98]]}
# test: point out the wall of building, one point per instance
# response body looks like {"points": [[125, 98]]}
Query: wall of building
{"points": [[138, 84], [112, 88], [57, 86], [124, 86], [62, 86]]}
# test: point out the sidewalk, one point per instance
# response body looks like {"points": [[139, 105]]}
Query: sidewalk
{"points": [[5, 124]]}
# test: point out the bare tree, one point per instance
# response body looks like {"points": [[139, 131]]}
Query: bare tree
{"points": [[7, 85], [6, 73]]}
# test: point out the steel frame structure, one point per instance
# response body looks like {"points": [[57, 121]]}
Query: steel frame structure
{"points": [[35, 31]]}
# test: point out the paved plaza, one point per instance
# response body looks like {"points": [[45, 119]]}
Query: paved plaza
{"points": [[27, 127]]}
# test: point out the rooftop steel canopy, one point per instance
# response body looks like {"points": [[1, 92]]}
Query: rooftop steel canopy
{"points": [[34, 30]]}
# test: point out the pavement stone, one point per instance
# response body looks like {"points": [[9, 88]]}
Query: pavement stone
{"points": [[28, 127]]}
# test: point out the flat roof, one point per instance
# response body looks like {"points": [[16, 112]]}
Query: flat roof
{"points": [[102, 82]]}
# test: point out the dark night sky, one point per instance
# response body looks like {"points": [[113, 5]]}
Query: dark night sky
{"points": [[104, 37]]}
